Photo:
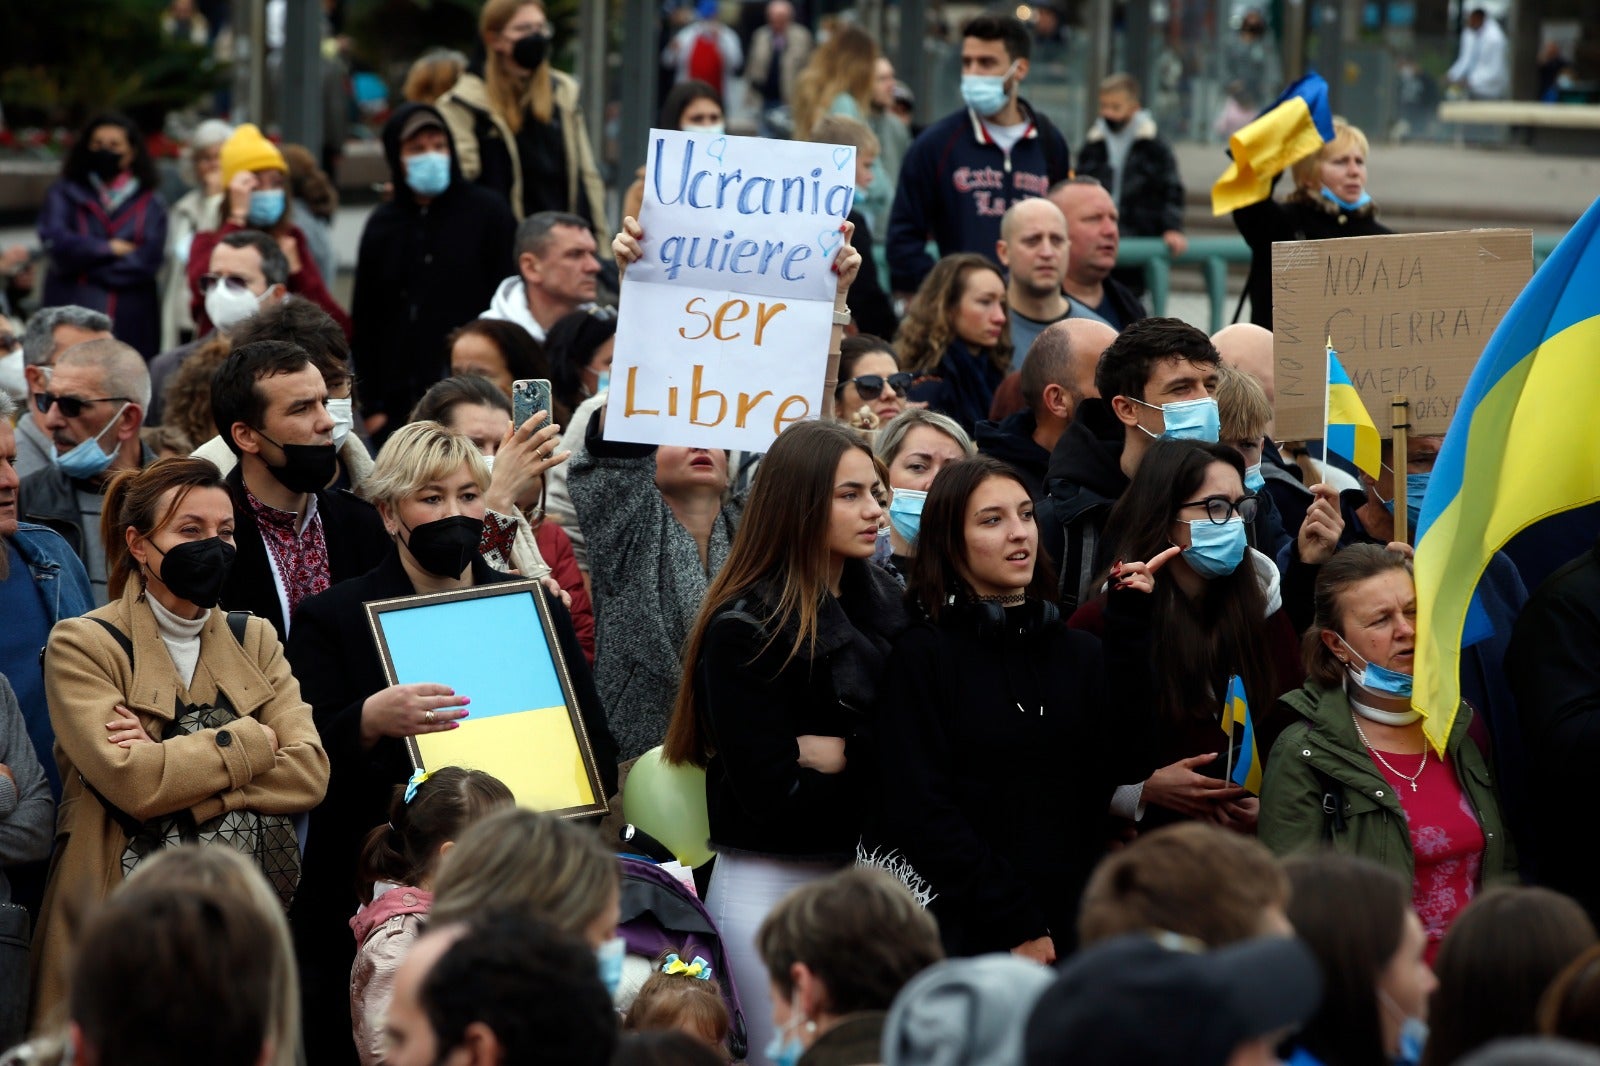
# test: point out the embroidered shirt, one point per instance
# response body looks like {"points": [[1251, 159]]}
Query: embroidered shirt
{"points": [[297, 550]]}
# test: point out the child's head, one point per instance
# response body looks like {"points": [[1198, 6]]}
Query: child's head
{"points": [[1119, 99], [682, 995], [424, 823]]}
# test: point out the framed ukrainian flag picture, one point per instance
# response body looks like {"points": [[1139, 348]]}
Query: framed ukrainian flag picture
{"points": [[497, 645]]}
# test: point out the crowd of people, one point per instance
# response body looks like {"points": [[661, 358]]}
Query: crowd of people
{"points": [[955, 662]]}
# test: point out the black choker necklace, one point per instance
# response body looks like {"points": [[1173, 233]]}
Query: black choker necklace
{"points": [[1010, 599]]}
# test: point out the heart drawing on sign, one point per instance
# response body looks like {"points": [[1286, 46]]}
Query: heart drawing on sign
{"points": [[717, 148], [828, 240], [841, 156]]}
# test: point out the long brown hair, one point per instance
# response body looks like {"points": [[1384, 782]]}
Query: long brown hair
{"points": [[845, 63], [929, 326], [133, 499], [783, 536], [942, 544], [508, 89], [1199, 644]]}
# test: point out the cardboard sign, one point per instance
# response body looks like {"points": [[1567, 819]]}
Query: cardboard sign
{"points": [[722, 337], [1408, 313]]}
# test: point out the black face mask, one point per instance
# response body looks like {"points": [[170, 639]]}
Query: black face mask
{"points": [[530, 51], [306, 467], [444, 547], [104, 164], [196, 570], [1114, 124]]}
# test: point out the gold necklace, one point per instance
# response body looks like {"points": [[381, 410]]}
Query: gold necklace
{"points": [[1376, 754]]}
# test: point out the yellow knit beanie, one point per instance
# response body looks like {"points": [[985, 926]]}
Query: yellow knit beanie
{"points": [[247, 149]]}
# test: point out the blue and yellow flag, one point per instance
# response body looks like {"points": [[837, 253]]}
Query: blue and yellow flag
{"points": [[1247, 763], [1351, 432], [1298, 123], [1520, 449]]}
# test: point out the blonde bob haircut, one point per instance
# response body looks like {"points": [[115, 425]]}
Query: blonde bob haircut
{"points": [[1242, 406], [542, 865], [420, 454], [1308, 171], [893, 436]]}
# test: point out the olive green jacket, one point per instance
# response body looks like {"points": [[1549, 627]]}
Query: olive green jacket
{"points": [[1324, 741]]}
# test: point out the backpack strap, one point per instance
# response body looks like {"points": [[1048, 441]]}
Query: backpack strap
{"points": [[237, 620]]}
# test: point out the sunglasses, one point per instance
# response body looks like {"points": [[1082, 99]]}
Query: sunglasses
{"points": [[233, 281], [71, 406], [1219, 508], [870, 386]]}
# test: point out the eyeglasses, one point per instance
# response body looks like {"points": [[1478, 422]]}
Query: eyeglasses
{"points": [[870, 386], [233, 281], [1219, 508], [71, 406]]}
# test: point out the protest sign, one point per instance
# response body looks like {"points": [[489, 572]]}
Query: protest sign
{"points": [[1407, 313], [722, 337]]}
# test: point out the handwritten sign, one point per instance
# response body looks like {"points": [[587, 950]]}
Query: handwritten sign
{"points": [[722, 339], [1408, 313]]}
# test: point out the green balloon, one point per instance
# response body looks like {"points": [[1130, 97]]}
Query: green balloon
{"points": [[669, 803]]}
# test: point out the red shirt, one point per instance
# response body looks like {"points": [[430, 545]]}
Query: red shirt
{"points": [[300, 557], [1446, 841]]}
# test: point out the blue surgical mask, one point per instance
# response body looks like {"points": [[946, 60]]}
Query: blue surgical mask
{"points": [[1413, 1032], [882, 549], [87, 460], [602, 382], [1416, 489], [785, 1047], [1215, 550], [1253, 481], [428, 173], [610, 955], [709, 129], [1361, 201], [1188, 420], [986, 93], [1378, 679], [905, 513], [266, 207]]}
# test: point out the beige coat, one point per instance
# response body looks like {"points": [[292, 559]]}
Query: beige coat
{"points": [[211, 772], [470, 96], [794, 61]]}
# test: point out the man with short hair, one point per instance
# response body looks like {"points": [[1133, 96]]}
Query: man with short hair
{"points": [[429, 259], [94, 408], [1480, 67], [41, 582], [556, 273], [1033, 249], [1094, 239], [1058, 378], [50, 332], [778, 53], [295, 538], [503, 990], [1157, 379], [958, 178], [248, 272]]}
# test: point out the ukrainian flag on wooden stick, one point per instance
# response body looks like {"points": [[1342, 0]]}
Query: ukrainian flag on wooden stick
{"points": [[1521, 448], [1350, 429], [1297, 124]]}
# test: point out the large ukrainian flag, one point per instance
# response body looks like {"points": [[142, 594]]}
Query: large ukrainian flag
{"points": [[1298, 123], [1521, 448]]}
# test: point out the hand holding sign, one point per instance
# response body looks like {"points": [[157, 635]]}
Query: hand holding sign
{"points": [[625, 245], [1141, 577]]}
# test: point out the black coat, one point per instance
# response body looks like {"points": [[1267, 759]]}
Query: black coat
{"points": [[1152, 189], [421, 272], [334, 657], [869, 304], [1083, 482], [1011, 441], [1000, 744], [755, 700], [351, 527], [1555, 674], [1293, 220]]}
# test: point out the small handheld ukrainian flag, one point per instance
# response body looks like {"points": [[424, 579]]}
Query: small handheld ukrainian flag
{"points": [[1350, 431], [1298, 123], [1245, 771]]}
